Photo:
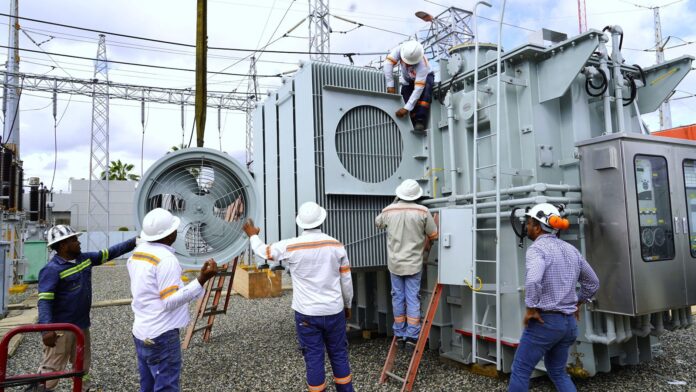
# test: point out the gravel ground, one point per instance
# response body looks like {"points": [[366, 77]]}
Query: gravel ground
{"points": [[254, 348]]}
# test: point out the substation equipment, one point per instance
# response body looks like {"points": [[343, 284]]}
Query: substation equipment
{"points": [[22, 229], [568, 131], [210, 192]]}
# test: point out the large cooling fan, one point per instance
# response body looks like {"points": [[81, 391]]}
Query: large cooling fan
{"points": [[210, 192]]}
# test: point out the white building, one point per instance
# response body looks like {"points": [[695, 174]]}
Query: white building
{"points": [[72, 207]]}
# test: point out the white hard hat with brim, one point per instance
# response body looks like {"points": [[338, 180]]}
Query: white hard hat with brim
{"points": [[158, 224]]}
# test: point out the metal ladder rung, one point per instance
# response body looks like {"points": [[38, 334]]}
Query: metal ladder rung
{"points": [[485, 229], [206, 314], [485, 360], [487, 136], [486, 167], [203, 327], [486, 326], [484, 293], [486, 261], [394, 376]]}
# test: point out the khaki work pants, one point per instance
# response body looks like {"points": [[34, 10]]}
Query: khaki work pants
{"points": [[55, 359]]}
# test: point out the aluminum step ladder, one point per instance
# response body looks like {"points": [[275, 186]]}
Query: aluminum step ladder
{"points": [[484, 325], [207, 309], [409, 379]]}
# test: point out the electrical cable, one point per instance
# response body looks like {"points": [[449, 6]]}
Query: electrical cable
{"points": [[183, 44], [270, 42], [602, 86], [55, 139], [134, 46], [135, 64], [19, 97], [634, 90]]}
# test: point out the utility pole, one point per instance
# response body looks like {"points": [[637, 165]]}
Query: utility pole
{"points": [[201, 69], [98, 203], [319, 30], [11, 131], [665, 111], [252, 89], [582, 17]]}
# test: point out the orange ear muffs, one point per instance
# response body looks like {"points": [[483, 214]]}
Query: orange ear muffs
{"points": [[558, 223]]}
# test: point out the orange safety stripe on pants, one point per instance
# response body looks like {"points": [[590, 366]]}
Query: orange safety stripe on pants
{"points": [[413, 320], [425, 104], [344, 270], [343, 380], [399, 319], [317, 388]]}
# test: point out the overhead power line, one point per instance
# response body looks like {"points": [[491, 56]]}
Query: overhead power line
{"points": [[185, 44], [136, 64]]}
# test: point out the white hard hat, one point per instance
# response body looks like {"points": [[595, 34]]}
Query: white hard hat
{"points": [[310, 215], [542, 212], [58, 233], [158, 224], [411, 52], [409, 190]]}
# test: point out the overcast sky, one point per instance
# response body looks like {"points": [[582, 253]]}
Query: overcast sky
{"points": [[251, 24]]}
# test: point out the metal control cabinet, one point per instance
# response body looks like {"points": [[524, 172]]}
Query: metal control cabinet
{"points": [[639, 193], [455, 259]]}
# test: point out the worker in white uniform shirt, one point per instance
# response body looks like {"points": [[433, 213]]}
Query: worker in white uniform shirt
{"points": [[160, 301], [417, 80], [322, 294]]}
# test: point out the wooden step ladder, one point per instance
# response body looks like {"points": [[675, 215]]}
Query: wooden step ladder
{"points": [[410, 378], [221, 282]]}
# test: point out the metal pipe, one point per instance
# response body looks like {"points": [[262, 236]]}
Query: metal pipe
{"points": [[532, 200], [591, 333], [643, 326], [628, 332], [538, 187], [659, 324], [689, 318], [450, 131], [617, 60], [606, 97], [506, 214], [620, 329]]}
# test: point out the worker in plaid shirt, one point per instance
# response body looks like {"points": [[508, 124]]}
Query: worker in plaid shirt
{"points": [[554, 268]]}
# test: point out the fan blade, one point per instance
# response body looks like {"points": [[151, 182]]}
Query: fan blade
{"points": [[181, 182], [220, 234]]}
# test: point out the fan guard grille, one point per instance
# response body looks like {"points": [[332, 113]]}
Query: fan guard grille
{"points": [[210, 192]]}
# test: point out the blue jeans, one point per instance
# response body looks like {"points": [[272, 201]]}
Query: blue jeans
{"points": [[159, 362], [406, 305], [552, 340], [314, 333]]}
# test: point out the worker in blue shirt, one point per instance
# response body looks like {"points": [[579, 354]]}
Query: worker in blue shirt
{"points": [[65, 296]]}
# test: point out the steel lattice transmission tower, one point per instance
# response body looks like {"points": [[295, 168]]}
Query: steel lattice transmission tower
{"points": [[252, 89], [98, 203], [319, 30], [449, 28]]}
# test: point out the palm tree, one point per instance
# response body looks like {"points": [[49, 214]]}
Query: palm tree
{"points": [[177, 148], [119, 171]]}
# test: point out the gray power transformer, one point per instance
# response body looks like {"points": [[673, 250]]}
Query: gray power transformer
{"points": [[569, 131]]}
